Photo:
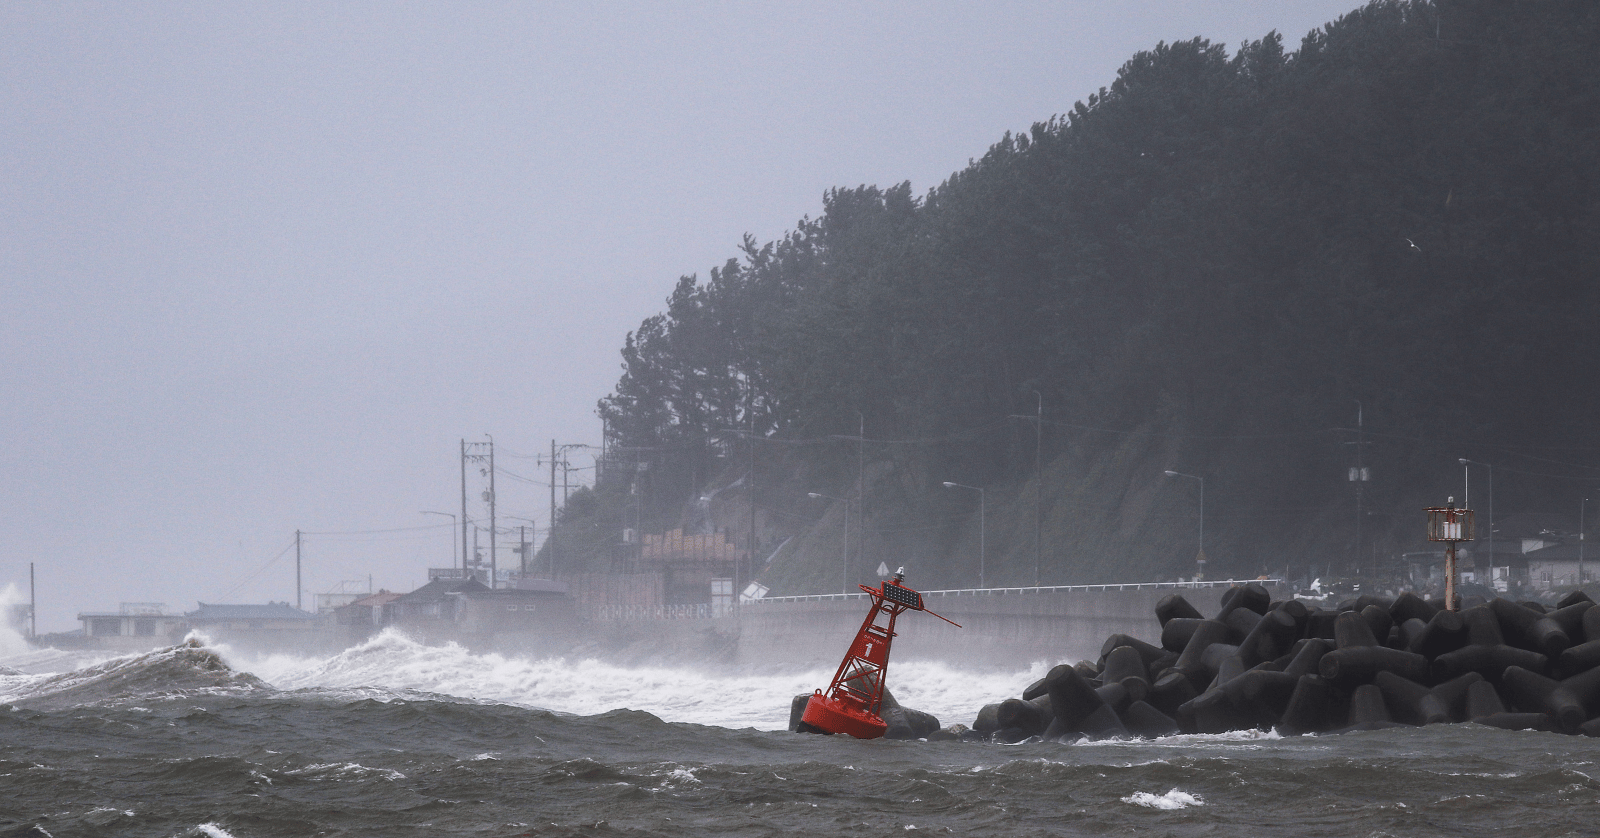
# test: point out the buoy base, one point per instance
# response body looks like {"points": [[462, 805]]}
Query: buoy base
{"points": [[833, 716]]}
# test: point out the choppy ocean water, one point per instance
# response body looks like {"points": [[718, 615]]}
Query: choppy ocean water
{"points": [[393, 738]]}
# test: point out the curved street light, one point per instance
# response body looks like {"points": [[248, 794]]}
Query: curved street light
{"points": [[1466, 462], [844, 563], [1202, 554], [983, 513], [452, 518]]}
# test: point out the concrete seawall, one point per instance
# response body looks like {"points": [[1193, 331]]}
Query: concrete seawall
{"points": [[1007, 628]]}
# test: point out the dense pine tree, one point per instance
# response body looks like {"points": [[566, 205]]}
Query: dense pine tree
{"points": [[1203, 267]]}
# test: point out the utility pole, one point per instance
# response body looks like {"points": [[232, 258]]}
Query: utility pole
{"points": [[522, 547], [33, 605], [464, 519], [297, 602], [550, 541], [482, 453], [494, 568]]}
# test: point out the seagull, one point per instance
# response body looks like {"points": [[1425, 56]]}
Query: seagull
{"points": [[1413, 245]]}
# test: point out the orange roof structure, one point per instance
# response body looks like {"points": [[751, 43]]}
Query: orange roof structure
{"points": [[673, 546]]}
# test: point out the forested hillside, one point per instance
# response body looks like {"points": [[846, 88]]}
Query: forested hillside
{"points": [[1202, 267]]}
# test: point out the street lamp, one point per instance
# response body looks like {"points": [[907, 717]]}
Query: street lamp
{"points": [[1200, 559], [1582, 508], [1466, 462], [844, 540], [452, 536], [524, 546], [983, 513]]}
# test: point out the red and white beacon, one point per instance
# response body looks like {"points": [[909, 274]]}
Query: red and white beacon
{"points": [[852, 701]]}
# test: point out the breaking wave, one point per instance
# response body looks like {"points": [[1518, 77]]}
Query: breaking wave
{"points": [[393, 662], [185, 669], [391, 665]]}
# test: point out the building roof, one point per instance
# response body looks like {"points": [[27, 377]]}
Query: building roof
{"points": [[270, 611], [438, 589], [1547, 525], [1564, 553], [376, 600]]}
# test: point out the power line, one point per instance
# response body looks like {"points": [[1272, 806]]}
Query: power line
{"points": [[260, 570]]}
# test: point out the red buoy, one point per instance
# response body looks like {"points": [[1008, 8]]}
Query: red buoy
{"points": [[852, 701]]}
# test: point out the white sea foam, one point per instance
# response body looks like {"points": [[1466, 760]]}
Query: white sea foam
{"points": [[211, 830], [393, 662], [1174, 799], [1238, 739]]}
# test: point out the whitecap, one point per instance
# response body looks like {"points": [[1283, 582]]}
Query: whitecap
{"points": [[1174, 799], [344, 769]]}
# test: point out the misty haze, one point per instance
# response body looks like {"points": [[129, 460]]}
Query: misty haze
{"points": [[535, 420]]}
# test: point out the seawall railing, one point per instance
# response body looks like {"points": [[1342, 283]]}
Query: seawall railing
{"points": [[1043, 589], [696, 611], [706, 611]]}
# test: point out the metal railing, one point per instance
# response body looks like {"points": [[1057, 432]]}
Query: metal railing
{"points": [[1043, 589], [695, 611], [706, 611]]}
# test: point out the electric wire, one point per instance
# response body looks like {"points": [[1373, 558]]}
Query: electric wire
{"points": [[258, 571]]}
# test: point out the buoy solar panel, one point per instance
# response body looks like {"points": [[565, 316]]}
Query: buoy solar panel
{"points": [[903, 595]]}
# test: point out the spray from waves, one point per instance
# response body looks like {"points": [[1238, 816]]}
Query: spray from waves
{"points": [[12, 641], [393, 662]]}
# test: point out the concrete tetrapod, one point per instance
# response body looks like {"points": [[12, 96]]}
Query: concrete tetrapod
{"points": [[1370, 663]]}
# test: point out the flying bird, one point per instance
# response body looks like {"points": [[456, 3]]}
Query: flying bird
{"points": [[1413, 245]]}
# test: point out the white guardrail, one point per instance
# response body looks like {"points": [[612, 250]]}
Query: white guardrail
{"points": [[697, 611], [705, 611], [1043, 589]]}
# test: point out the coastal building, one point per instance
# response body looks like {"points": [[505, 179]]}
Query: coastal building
{"points": [[469, 611], [133, 626], [1557, 565], [273, 625]]}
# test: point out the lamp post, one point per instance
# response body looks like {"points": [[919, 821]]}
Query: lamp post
{"points": [[1038, 487], [983, 514], [452, 537], [1200, 558], [524, 546], [844, 540], [1582, 508], [1466, 462]]}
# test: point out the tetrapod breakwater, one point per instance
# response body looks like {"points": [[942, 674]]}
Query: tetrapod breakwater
{"points": [[1366, 663], [1003, 629]]}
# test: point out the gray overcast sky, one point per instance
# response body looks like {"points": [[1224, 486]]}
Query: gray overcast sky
{"points": [[262, 266]]}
